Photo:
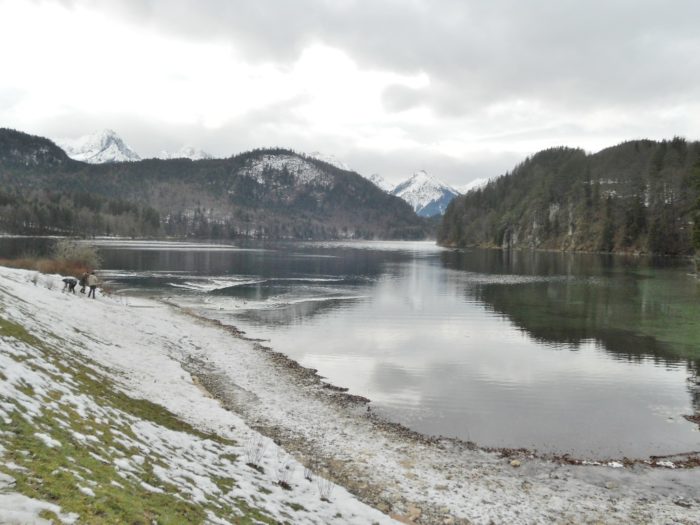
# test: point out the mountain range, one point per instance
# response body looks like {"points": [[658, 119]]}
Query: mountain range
{"points": [[427, 195], [267, 193], [640, 196], [186, 152], [106, 146]]}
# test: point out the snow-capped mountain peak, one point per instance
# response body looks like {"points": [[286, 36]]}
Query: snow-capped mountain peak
{"points": [[379, 181], [97, 148], [186, 152], [427, 195]]}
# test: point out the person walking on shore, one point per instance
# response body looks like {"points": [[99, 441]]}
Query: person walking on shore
{"points": [[92, 282], [83, 282]]}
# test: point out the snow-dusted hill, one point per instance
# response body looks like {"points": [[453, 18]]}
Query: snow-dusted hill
{"points": [[303, 171], [98, 148], [186, 152], [128, 426], [427, 195]]}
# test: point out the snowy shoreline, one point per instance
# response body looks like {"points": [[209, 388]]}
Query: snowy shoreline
{"points": [[167, 356]]}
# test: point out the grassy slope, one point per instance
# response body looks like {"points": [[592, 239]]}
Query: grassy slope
{"points": [[94, 434]]}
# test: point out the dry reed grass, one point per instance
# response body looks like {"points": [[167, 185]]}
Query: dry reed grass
{"points": [[49, 266]]}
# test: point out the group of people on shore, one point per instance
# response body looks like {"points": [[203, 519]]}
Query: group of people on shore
{"points": [[87, 280]]}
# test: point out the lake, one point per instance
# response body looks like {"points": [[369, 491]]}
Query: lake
{"points": [[592, 355]]}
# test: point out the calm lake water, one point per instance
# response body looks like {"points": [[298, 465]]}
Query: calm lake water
{"points": [[587, 354]]}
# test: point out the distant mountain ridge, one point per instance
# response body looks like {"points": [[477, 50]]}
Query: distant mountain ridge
{"points": [[270, 193], [428, 196], [186, 152], [98, 148]]}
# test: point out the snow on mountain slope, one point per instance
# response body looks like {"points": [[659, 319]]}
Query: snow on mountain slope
{"points": [[427, 195], [380, 183], [330, 159], [476, 184], [186, 152], [303, 171], [98, 148]]}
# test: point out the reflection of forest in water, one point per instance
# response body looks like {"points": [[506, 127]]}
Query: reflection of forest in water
{"points": [[634, 308]]}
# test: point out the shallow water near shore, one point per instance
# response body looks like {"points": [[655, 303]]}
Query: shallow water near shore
{"points": [[591, 355]]}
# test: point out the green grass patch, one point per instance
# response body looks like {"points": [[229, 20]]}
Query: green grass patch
{"points": [[51, 476], [55, 474], [16, 331], [225, 485]]}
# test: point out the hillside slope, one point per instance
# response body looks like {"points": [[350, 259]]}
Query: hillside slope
{"points": [[638, 196], [271, 193], [101, 423]]}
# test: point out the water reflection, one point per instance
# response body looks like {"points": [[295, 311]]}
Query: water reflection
{"points": [[573, 353]]}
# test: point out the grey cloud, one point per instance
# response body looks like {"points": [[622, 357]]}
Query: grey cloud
{"points": [[10, 97], [270, 128], [398, 97], [563, 53], [636, 58]]}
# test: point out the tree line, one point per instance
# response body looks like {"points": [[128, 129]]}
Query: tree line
{"points": [[60, 213]]}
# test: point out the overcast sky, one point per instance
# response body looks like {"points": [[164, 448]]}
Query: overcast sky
{"points": [[462, 89]]}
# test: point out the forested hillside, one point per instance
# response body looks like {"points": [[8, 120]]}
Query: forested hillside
{"points": [[271, 193], [639, 196]]}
